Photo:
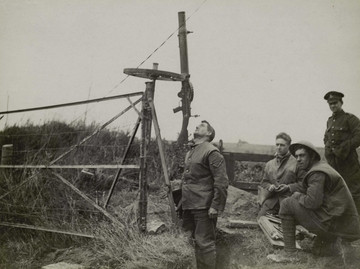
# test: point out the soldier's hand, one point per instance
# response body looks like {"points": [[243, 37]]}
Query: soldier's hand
{"points": [[271, 188], [282, 188], [296, 195], [213, 213]]}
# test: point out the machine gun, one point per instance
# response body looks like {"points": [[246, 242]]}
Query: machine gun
{"points": [[187, 95]]}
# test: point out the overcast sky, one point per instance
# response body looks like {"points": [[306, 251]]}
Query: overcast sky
{"points": [[259, 67]]}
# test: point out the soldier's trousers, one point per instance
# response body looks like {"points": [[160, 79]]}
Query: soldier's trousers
{"points": [[290, 209], [203, 232], [349, 169]]}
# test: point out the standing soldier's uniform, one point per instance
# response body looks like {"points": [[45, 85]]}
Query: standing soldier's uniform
{"points": [[342, 137], [204, 194]]}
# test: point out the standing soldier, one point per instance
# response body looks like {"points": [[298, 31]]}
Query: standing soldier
{"points": [[204, 193], [342, 137]]}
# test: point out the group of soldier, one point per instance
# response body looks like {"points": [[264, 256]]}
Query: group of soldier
{"points": [[297, 186], [322, 196]]}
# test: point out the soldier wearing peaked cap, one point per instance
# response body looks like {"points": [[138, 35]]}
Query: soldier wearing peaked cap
{"points": [[342, 137], [333, 96]]}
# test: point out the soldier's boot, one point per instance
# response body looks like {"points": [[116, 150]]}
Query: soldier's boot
{"points": [[289, 254], [205, 260]]}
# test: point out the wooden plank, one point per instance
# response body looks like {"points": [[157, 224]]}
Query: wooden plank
{"points": [[269, 229], [107, 214], [130, 142], [31, 227], [163, 163], [243, 147], [96, 131], [273, 218], [74, 103], [252, 157], [272, 232], [103, 166], [243, 224], [305, 232], [246, 185]]}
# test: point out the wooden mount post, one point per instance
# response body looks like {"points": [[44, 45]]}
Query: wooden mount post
{"points": [[163, 163], [184, 62], [144, 147], [184, 66]]}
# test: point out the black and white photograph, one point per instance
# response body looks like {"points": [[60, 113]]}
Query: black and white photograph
{"points": [[179, 134]]}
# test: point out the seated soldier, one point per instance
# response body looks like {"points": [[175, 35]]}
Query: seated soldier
{"points": [[324, 207], [280, 178]]}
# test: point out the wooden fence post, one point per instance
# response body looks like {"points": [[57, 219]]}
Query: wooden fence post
{"points": [[7, 154], [230, 166], [144, 147]]}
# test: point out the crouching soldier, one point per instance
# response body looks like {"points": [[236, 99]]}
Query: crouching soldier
{"points": [[324, 207]]}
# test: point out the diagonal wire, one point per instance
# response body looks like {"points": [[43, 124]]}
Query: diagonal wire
{"points": [[162, 44], [151, 54]]}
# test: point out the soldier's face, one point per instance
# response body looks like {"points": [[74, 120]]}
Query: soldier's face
{"points": [[282, 147], [201, 130], [335, 106], [302, 158]]}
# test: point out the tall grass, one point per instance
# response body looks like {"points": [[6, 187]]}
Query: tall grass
{"points": [[46, 202], [127, 248]]}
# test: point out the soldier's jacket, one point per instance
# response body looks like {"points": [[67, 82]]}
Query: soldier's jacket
{"points": [[342, 135], [329, 202], [205, 181], [281, 171]]}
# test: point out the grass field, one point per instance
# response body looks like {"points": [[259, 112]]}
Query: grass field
{"points": [[45, 202]]}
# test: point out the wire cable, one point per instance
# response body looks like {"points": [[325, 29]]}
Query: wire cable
{"points": [[151, 54]]}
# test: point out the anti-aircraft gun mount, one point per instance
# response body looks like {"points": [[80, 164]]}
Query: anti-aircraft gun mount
{"points": [[187, 90], [148, 116]]}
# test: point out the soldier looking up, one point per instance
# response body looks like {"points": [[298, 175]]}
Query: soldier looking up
{"points": [[204, 193]]}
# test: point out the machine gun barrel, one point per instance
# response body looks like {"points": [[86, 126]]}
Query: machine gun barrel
{"points": [[177, 109]]}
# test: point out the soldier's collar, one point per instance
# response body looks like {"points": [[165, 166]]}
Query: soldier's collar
{"points": [[334, 115], [281, 157]]}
